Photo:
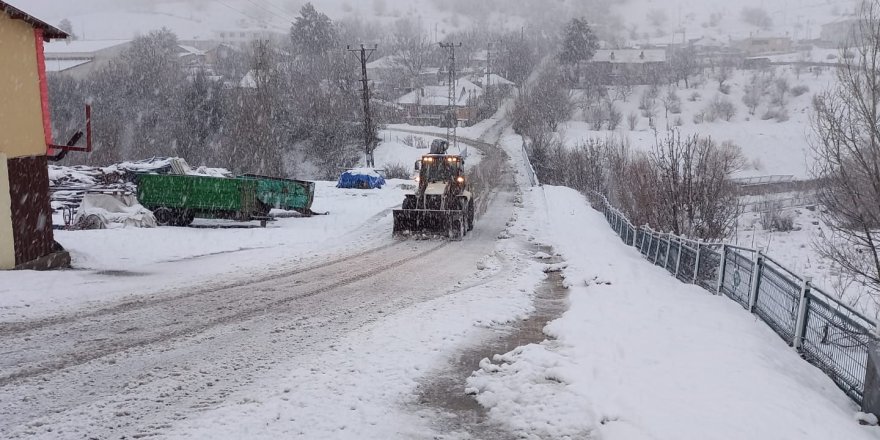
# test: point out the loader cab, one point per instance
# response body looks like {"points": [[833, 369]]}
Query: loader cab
{"points": [[440, 168]]}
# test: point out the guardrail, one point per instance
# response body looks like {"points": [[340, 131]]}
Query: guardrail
{"points": [[825, 332], [533, 176], [763, 180]]}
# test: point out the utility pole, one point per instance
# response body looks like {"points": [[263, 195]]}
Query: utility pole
{"points": [[488, 83], [451, 118], [363, 55]]}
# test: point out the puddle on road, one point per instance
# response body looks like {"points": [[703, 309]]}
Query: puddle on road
{"points": [[459, 415]]}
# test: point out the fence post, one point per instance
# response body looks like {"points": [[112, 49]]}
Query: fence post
{"points": [[642, 242], [800, 328], [678, 257], [666, 257], [756, 278], [697, 263], [657, 252], [722, 268]]}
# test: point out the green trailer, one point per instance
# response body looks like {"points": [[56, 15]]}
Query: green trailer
{"points": [[177, 200]]}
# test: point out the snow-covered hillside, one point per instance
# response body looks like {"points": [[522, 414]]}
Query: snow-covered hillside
{"points": [[721, 19], [771, 146]]}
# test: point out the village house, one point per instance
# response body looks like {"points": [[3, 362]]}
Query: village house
{"points": [[633, 66], [756, 45], [26, 237], [428, 105], [79, 58]]}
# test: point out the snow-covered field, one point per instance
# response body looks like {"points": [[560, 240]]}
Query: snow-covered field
{"points": [[770, 147], [796, 250], [722, 20]]}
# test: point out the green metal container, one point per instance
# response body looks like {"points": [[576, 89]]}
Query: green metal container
{"points": [[176, 200], [286, 194]]}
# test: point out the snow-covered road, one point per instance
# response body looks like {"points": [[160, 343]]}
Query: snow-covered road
{"points": [[138, 366]]}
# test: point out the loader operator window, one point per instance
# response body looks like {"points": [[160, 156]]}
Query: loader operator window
{"points": [[440, 170]]}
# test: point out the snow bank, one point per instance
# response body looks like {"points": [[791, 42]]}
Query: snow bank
{"points": [[640, 355]]}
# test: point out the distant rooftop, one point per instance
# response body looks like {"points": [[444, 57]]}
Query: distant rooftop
{"points": [[81, 46]]}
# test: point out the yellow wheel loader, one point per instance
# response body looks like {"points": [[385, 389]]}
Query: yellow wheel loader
{"points": [[442, 203]]}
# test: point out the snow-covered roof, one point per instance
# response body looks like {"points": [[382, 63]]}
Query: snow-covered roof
{"points": [[386, 62], [56, 65], [249, 81], [439, 95], [495, 80], [707, 42], [189, 50], [630, 56], [480, 55], [70, 47]]}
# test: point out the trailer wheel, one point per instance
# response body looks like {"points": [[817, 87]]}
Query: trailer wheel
{"points": [[164, 216], [184, 218]]}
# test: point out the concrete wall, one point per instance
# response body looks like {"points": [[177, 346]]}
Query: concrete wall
{"points": [[7, 246], [21, 112]]}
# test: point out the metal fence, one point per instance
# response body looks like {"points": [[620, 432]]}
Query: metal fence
{"points": [[825, 332]]}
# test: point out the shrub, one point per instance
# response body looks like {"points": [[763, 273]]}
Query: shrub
{"points": [[633, 120], [773, 219], [720, 108], [799, 90], [397, 171]]}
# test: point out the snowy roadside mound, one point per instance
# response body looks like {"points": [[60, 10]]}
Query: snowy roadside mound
{"points": [[99, 211], [640, 355]]}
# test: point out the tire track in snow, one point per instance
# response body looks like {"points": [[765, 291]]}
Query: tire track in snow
{"points": [[12, 328], [79, 357]]}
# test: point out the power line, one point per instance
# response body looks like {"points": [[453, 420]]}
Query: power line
{"points": [[240, 12]]}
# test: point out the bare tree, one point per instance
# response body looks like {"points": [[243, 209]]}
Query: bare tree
{"points": [[697, 197], [412, 49], [753, 94], [847, 147]]}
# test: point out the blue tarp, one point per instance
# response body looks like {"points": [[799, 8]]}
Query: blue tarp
{"points": [[360, 179]]}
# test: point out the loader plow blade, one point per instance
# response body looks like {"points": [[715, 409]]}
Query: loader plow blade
{"points": [[417, 221]]}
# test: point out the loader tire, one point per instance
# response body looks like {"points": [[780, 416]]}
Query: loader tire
{"points": [[409, 202], [470, 216]]}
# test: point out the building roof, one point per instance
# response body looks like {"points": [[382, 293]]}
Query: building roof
{"points": [[495, 80], [386, 62], [60, 65], [249, 81], [630, 56], [438, 96], [80, 47], [49, 31]]}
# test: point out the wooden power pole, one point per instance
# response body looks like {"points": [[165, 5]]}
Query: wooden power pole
{"points": [[363, 55]]}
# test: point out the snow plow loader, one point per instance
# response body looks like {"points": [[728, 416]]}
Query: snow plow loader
{"points": [[442, 204]]}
